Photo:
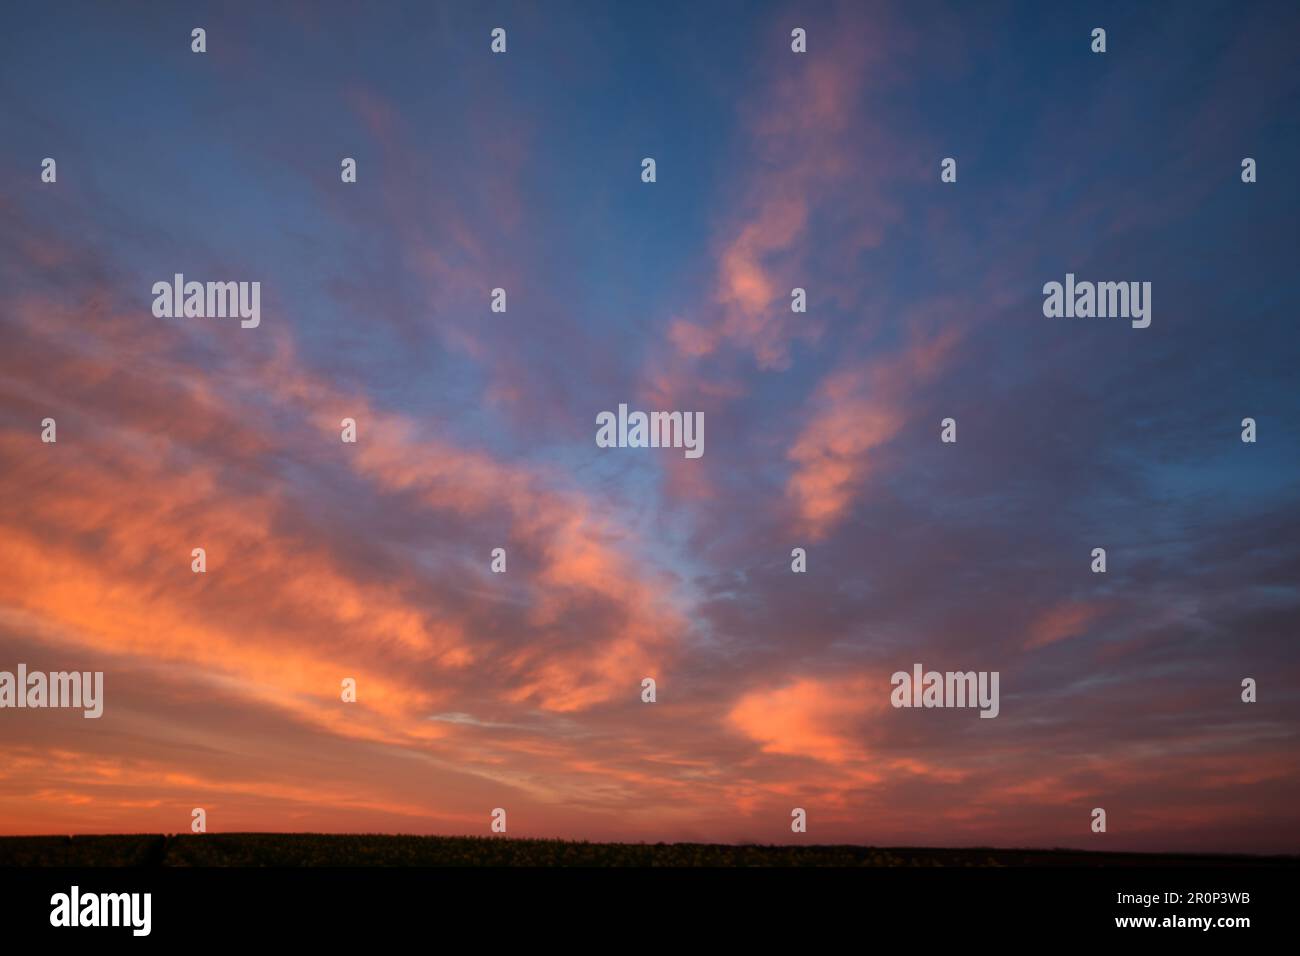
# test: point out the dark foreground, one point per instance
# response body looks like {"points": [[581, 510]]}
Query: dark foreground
{"points": [[312, 849]]}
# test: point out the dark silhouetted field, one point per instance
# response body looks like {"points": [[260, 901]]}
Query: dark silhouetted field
{"points": [[313, 849]]}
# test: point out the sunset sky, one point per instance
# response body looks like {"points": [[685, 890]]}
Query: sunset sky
{"points": [[476, 429]]}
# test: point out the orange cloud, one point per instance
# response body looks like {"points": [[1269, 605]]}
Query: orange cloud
{"points": [[1061, 622], [810, 718], [99, 528], [858, 410]]}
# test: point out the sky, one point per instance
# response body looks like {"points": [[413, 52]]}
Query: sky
{"points": [[476, 429]]}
